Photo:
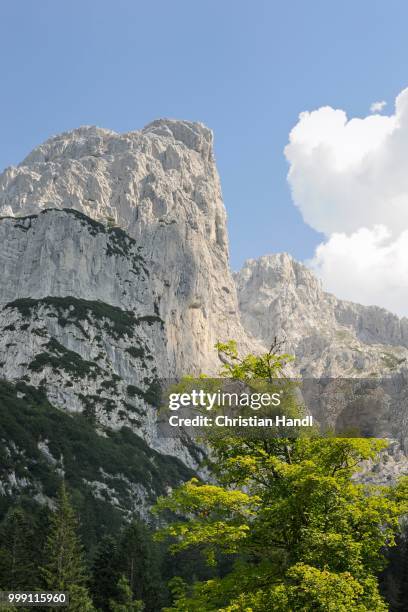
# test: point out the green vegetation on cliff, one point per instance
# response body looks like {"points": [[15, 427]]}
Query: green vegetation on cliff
{"points": [[117, 322], [39, 443]]}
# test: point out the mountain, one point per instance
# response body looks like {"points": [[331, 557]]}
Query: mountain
{"points": [[329, 337], [115, 274], [161, 186], [80, 332], [353, 357]]}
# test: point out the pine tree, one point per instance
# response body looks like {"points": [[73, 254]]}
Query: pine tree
{"points": [[17, 551], [105, 573], [124, 601], [64, 566], [79, 600], [64, 569], [138, 561]]}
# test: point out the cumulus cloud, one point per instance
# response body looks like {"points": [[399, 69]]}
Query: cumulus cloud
{"points": [[377, 107], [367, 266], [349, 178]]}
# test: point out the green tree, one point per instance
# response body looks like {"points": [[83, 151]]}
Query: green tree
{"points": [[64, 569], [18, 569], [79, 599], [305, 534], [140, 564], [105, 573], [124, 601]]}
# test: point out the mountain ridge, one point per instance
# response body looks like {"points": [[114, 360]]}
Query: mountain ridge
{"points": [[279, 296], [100, 227]]}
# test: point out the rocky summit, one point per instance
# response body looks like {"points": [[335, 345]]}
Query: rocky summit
{"points": [[280, 297], [115, 273], [161, 186]]}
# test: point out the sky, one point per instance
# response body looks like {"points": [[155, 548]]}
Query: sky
{"points": [[247, 69]]}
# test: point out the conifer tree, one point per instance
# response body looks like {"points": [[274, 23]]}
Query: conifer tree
{"points": [[138, 561], [17, 550], [105, 573], [64, 569], [79, 599], [124, 601], [63, 551]]}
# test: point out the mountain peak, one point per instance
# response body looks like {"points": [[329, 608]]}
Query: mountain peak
{"points": [[193, 135], [276, 269], [91, 140], [161, 186]]}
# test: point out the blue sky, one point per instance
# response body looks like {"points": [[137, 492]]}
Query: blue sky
{"points": [[246, 69]]}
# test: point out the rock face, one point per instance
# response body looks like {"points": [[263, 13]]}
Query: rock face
{"points": [[63, 252], [77, 312], [80, 329], [329, 337], [161, 186], [114, 258]]}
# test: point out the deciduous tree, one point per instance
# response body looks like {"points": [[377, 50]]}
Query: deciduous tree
{"points": [[305, 534]]}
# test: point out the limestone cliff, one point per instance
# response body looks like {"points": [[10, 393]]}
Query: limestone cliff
{"points": [[329, 337], [161, 186], [114, 259]]}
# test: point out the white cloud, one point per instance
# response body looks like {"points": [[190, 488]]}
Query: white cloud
{"points": [[377, 107], [368, 267], [349, 179]]}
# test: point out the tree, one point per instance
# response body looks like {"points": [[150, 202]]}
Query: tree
{"points": [[105, 573], [79, 600], [305, 534], [139, 563], [124, 601], [18, 569], [64, 569]]}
